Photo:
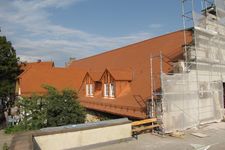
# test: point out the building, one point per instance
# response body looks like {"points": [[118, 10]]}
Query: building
{"points": [[116, 81], [119, 80], [38, 74], [177, 77]]}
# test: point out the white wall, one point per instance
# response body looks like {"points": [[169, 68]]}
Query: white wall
{"points": [[84, 138]]}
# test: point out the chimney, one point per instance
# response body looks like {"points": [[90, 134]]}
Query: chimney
{"points": [[71, 59]]}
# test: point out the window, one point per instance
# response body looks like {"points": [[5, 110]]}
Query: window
{"points": [[112, 90], [19, 91], [89, 90], [106, 90], [108, 85], [109, 90]]}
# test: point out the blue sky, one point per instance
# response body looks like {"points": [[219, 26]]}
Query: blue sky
{"points": [[59, 29]]}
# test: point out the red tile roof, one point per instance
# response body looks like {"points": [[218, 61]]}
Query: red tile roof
{"points": [[135, 57], [33, 80], [46, 64], [95, 75], [121, 74], [24, 67], [127, 63]]}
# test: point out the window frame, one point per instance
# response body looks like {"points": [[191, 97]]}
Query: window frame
{"points": [[106, 90], [89, 88], [112, 90]]}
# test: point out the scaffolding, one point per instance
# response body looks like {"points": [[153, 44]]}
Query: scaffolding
{"points": [[194, 95]]}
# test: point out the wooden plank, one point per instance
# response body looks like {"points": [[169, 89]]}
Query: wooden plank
{"points": [[145, 128], [136, 123]]}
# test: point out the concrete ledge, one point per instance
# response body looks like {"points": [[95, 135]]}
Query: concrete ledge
{"points": [[80, 127], [81, 136]]}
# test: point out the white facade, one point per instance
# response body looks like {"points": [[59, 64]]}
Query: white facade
{"points": [[195, 96]]}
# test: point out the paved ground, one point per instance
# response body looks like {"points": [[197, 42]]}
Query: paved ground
{"points": [[215, 140], [5, 138]]}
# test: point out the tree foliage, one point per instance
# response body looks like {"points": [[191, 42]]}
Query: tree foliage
{"points": [[63, 108], [53, 109], [9, 70], [33, 112]]}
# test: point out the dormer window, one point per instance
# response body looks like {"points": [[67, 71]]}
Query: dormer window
{"points": [[106, 90], [109, 90], [89, 86], [109, 85], [115, 81], [89, 90], [92, 86], [112, 90]]}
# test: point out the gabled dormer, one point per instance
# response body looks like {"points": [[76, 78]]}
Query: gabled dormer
{"points": [[108, 85], [92, 84], [115, 81]]}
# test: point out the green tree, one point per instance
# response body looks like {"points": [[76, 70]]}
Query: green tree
{"points": [[33, 111], [9, 70], [63, 108], [52, 109]]}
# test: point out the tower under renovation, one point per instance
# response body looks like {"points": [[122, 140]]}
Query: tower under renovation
{"points": [[193, 93]]}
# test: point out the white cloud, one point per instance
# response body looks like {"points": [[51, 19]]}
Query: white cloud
{"points": [[29, 58], [155, 26], [27, 24]]}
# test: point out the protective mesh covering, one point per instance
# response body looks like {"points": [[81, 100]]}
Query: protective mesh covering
{"points": [[185, 105], [196, 96], [180, 107]]}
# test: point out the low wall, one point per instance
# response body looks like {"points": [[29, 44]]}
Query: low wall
{"points": [[83, 135]]}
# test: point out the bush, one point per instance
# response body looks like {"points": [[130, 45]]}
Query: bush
{"points": [[15, 129], [63, 108], [33, 111], [53, 109]]}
